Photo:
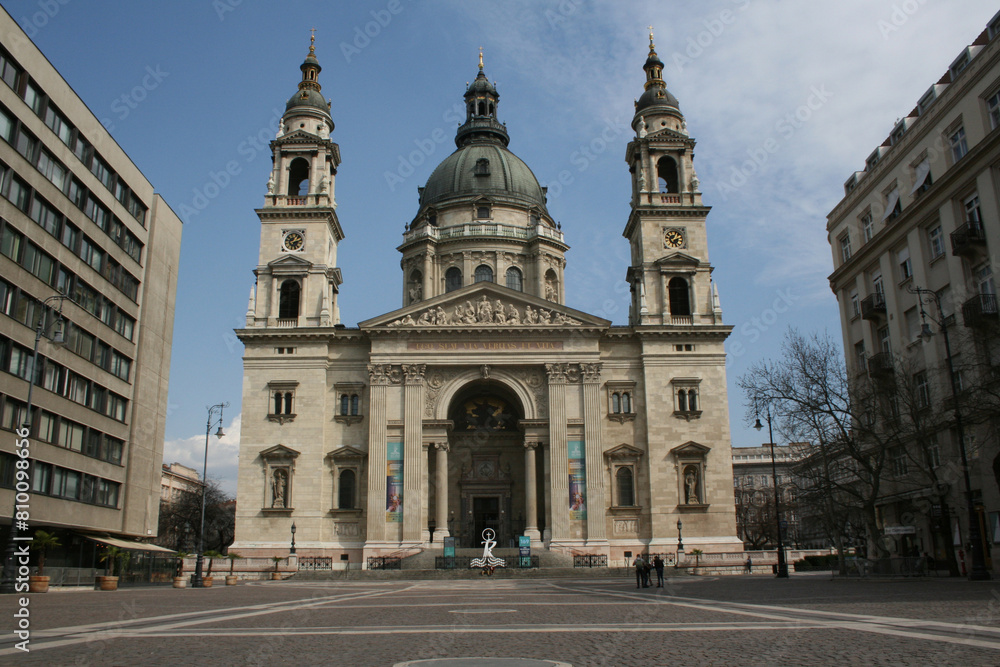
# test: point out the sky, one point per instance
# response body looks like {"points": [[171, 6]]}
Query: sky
{"points": [[785, 99]]}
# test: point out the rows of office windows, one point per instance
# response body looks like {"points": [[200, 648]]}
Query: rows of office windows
{"points": [[59, 482], [16, 360], [29, 311], [43, 266], [48, 218], [56, 173], [43, 107]]}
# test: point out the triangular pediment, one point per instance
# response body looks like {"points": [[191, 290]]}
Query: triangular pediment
{"points": [[346, 452], [678, 260], [299, 135], [279, 452], [486, 305], [623, 451], [690, 450], [290, 262], [667, 134]]}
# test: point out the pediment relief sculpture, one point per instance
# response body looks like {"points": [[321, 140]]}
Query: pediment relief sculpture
{"points": [[485, 311]]}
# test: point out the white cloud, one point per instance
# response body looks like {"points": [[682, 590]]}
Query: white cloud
{"points": [[223, 454]]}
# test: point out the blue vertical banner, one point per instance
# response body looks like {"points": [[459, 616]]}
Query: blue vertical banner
{"points": [[394, 482], [577, 480]]}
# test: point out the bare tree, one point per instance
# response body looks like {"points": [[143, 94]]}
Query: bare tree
{"points": [[180, 518]]}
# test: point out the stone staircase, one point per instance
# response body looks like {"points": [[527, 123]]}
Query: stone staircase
{"points": [[546, 559]]}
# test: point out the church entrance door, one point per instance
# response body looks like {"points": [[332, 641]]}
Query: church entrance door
{"points": [[485, 514]]}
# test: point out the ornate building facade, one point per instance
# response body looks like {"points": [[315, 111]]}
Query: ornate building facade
{"points": [[484, 401]]}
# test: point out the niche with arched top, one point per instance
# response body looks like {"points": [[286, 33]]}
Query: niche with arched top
{"points": [[298, 178], [666, 173]]}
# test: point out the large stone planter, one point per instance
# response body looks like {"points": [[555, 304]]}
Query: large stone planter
{"points": [[206, 582], [107, 583], [231, 579], [38, 584], [275, 576], [180, 582]]}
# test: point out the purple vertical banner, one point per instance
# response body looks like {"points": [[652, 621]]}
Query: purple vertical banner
{"points": [[577, 481], [394, 482]]}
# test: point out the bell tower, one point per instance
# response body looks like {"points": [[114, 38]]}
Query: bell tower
{"points": [[670, 276], [297, 275]]}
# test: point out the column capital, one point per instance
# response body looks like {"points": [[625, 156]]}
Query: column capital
{"points": [[591, 372], [442, 446], [558, 373], [414, 373], [384, 374], [532, 444]]}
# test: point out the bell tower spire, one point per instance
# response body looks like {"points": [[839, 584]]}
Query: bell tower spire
{"points": [[297, 275], [670, 275]]}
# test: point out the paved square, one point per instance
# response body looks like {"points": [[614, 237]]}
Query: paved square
{"points": [[806, 620]]}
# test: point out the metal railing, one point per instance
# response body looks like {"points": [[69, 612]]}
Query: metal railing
{"points": [[979, 310], [872, 305], [315, 563], [590, 560], [966, 237], [385, 563]]}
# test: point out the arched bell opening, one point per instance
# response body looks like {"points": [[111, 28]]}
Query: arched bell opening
{"points": [[298, 178]]}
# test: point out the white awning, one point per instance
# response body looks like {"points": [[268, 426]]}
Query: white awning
{"points": [[922, 172], [890, 204], [131, 546]]}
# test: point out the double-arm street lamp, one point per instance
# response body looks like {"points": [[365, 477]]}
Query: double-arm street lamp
{"points": [[979, 571], [7, 584], [782, 563], [197, 581]]}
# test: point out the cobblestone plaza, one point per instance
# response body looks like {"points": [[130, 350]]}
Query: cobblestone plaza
{"points": [[807, 620]]}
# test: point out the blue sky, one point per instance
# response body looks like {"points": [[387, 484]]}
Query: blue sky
{"points": [[786, 100]]}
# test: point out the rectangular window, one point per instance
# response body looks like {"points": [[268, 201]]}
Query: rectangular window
{"points": [[8, 70], [81, 148], [6, 125], [103, 355], [7, 293], [52, 169], [133, 246], [20, 362], [11, 242], [69, 237], [13, 414], [138, 210], [85, 295], [935, 238], [905, 268], [26, 145], [912, 320], [52, 377], [76, 388], [859, 355], [41, 478], [46, 426], [125, 325], [19, 193], [923, 389], [893, 207], [98, 398], [80, 342], [46, 216], [933, 452], [71, 435], [845, 247], [116, 407], [884, 341], [868, 226], [91, 254], [959, 147], [897, 461], [113, 448], [120, 365], [107, 493], [855, 304], [33, 97], [38, 263], [58, 124], [103, 172], [993, 109], [972, 214]]}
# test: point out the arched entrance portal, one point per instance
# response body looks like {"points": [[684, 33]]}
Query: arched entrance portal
{"points": [[486, 464]]}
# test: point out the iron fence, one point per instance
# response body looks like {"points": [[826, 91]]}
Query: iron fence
{"points": [[590, 560], [315, 563], [385, 563]]}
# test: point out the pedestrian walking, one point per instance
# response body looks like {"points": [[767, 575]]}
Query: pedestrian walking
{"points": [[639, 564], [647, 568], [658, 565], [748, 566]]}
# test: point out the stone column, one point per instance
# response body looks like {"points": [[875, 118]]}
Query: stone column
{"points": [[314, 174], [558, 451], [425, 486], [531, 493], [428, 286], [468, 270], [413, 460], [596, 530], [379, 384], [441, 475]]}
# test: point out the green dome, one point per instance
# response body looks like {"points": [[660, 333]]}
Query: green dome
{"points": [[509, 178], [307, 97], [656, 96]]}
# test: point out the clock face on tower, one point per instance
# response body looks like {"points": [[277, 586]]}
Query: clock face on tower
{"points": [[294, 241], [673, 238]]}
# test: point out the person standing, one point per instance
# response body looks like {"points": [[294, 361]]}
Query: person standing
{"points": [[748, 566], [658, 564], [640, 567]]}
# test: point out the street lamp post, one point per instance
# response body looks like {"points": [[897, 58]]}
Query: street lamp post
{"points": [[8, 581], [782, 563], [680, 544], [197, 581], [292, 550], [979, 571]]}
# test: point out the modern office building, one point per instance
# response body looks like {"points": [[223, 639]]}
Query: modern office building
{"points": [[484, 402], [88, 253], [919, 227]]}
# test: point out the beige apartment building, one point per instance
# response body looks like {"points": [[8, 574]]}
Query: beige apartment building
{"points": [[923, 214], [79, 220], [483, 402]]}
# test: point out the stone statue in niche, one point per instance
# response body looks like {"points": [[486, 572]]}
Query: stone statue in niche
{"points": [[416, 291], [691, 486], [279, 489], [324, 185], [270, 184], [642, 127]]}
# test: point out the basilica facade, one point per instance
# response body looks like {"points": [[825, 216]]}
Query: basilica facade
{"points": [[484, 401]]}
